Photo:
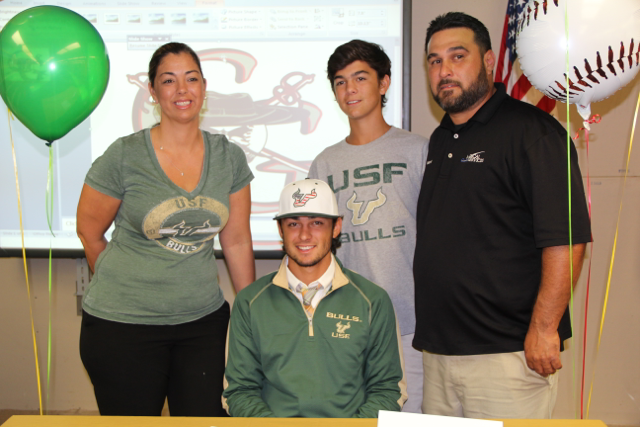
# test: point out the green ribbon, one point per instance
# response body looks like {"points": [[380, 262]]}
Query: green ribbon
{"points": [[49, 211], [49, 195], [569, 142]]}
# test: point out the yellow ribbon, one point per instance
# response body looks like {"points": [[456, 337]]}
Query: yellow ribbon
{"points": [[613, 254], [24, 260], [569, 142]]}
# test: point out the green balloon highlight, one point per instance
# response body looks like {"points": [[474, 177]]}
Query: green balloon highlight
{"points": [[54, 69]]}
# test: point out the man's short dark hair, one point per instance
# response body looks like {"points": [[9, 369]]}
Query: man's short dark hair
{"points": [[359, 50], [460, 20], [335, 241]]}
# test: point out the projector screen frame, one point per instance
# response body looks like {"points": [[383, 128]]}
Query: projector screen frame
{"points": [[62, 253]]}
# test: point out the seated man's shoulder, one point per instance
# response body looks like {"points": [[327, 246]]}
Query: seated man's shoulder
{"points": [[256, 288], [365, 285]]}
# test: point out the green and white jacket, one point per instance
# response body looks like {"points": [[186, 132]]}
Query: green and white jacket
{"points": [[345, 362]]}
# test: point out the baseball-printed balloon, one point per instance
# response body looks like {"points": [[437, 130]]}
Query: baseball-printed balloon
{"points": [[604, 48]]}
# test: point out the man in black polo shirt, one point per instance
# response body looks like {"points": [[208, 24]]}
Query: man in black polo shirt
{"points": [[491, 267]]}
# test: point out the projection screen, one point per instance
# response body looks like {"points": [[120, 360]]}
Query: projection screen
{"points": [[265, 64]]}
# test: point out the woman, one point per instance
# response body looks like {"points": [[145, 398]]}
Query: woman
{"points": [[155, 320]]}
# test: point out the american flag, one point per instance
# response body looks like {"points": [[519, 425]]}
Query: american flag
{"points": [[508, 68]]}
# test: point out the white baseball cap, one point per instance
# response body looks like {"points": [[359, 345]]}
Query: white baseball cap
{"points": [[308, 197]]}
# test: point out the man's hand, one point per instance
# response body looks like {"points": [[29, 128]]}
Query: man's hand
{"points": [[542, 344], [542, 351]]}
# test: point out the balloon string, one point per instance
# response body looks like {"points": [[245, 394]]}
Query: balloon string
{"points": [[594, 119], [569, 142], [49, 193], [49, 336], [584, 338], [49, 210], [24, 260], [613, 254]]}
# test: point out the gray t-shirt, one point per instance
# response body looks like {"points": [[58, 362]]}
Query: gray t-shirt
{"points": [[159, 267], [377, 187]]}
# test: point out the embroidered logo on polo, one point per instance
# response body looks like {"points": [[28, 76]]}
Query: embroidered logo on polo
{"points": [[184, 226], [474, 158], [360, 216], [340, 330], [339, 316], [301, 199]]}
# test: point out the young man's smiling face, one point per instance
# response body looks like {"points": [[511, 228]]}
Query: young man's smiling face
{"points": [[359, 91], [307, 241]]}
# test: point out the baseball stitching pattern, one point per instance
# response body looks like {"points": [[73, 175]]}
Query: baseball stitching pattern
{"points": [[590, 75]]}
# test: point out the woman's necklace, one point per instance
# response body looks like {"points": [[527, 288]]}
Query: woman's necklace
{"points": [[169, 158]]}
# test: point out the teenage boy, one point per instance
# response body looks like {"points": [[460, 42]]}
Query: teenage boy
{"points": [[312, 339], [376, 172]]}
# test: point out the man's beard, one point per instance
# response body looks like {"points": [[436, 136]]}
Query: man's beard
{"points": [[301, 263], [468, 98], [314, 261]]}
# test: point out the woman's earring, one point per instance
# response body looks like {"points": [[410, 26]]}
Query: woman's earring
{"points": [[203, 109]]}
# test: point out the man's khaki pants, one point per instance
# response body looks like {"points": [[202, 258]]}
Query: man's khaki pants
{"points": [[486, 386]]}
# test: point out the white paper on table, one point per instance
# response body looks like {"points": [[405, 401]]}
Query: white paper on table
{"points": [[407, 419]]}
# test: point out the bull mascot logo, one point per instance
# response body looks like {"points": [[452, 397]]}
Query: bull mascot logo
{"points": [[301, 199]]}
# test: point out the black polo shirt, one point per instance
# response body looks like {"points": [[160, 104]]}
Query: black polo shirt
{"points": [[494, 193]]}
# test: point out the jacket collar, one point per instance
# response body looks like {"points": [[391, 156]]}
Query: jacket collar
{"points": [[339, 278]]}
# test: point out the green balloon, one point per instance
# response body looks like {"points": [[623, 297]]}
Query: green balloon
{"points": [[54, 69]]}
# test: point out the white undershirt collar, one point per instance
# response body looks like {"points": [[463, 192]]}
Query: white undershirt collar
{"points": [[325, 281]]}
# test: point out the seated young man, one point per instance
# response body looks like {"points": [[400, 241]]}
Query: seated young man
{"points": [[313, 339]]}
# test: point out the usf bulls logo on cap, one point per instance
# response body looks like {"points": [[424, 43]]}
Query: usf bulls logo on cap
{"points": [[308, 197], [302, 199]]}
